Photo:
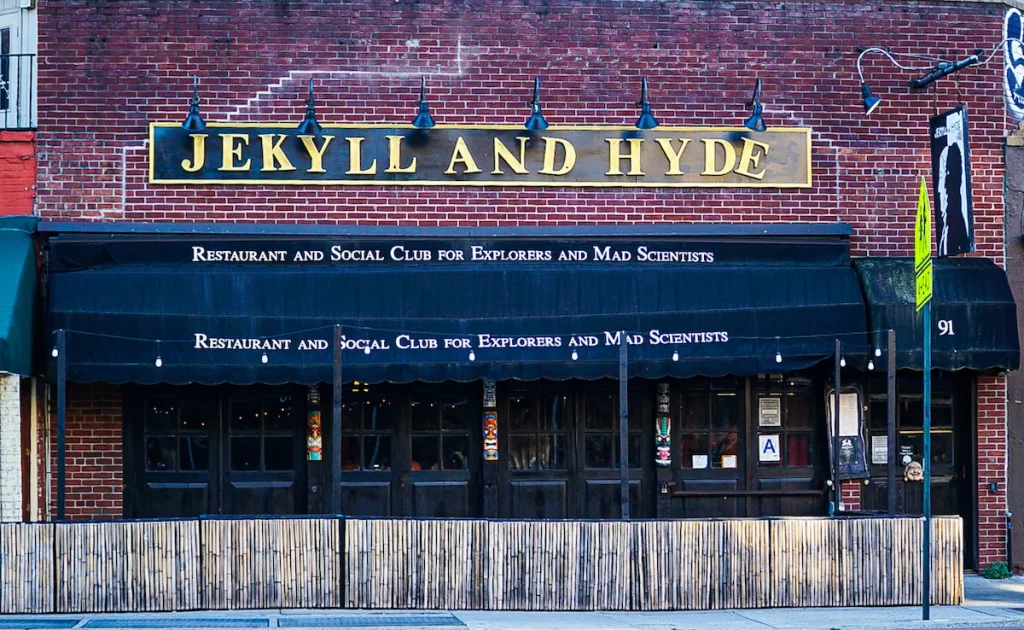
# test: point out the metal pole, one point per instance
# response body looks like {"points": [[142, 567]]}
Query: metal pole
{"points": [[336, 426], [890, 398], [926, 543], [836, 490], [623, 427], [62, 374]]}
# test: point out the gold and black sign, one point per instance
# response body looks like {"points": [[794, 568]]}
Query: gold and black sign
{"points": [[481, 156]]}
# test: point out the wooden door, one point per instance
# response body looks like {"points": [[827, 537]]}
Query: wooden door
{"points": [[263, 459], [171, 438], [536, 423], [711, 433], [440, 475], [370, 417]]}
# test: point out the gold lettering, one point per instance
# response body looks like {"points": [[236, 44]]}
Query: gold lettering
{"points": [[673, 155], [198, 153], [615, 156], [355, 159], [395, 157], [231, 152], [710, 156], [461, 154], [748, 159], [316, 156], [501, 153], [274, 158], [550, 146]]}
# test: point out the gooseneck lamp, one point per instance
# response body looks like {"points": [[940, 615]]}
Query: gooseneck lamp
{"points": [[194, 121], [756, 121], [423, 119], [646, 120], [309, 125], [536, 121]]}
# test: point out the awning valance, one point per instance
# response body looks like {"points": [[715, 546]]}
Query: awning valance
{"points": [[974, 318], [18, 294], [458, 309]]}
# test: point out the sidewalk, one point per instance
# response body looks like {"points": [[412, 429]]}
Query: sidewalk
{"points": [[988, 604]]}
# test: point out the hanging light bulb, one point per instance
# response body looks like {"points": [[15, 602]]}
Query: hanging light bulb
{"points": [[159, 362], [675, 355], [575, 355], [55, 353], [264, 358], [366, 350], [778, 357], [871, 364], [472, 356], [878, 352], [842, 361]]}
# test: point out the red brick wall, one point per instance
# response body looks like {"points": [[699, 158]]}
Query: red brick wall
{"points": [[851, 493], [17, 172], [107, 69], [95, 471], [991, 467]]}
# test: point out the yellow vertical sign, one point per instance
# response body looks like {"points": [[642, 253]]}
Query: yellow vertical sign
{"points": [[923, 249]]}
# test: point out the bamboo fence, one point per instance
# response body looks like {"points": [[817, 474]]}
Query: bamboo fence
{"points": [[313, 562]]}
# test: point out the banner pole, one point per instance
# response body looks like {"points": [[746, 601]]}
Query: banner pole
{"points": [[926, 555]]}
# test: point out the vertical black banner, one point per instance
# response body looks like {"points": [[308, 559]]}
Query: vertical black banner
{"points": [[951, 178]]}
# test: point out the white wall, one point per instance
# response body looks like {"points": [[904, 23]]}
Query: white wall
{"points": [[10, 448]]}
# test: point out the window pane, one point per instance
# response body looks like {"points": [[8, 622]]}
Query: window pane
{"points": [[910, 444], [636, 449], [600, 412], [942, 448], [245, 415], [599, 451], [798, 411], [195, 453], [245, 453], [380, 415], [193, 418], [349, 453], [425, 453], [455, 414], [160, 454], [278, 453], [694, 415], [725, 414], [722, 445], [425, 416], [377, 451], [798, 449], [520, 413], [161, 416], [942, 414], [281, 413], [522, 451], [351, 415], [879, 415], [456, 452], [695, 450], [5, 68], [551, 451], [554, 412], [911, 412]]}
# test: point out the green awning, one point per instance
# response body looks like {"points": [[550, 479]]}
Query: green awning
{"points": [[18, 299]]}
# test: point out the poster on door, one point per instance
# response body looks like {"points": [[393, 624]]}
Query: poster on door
{"points": [[768, 448]]}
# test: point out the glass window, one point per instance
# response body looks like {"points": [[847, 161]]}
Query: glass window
{"points": [[176, 436], [798, 425], [278, 453], [367, 423], [425, 452], [910, 419], [537, 430], [262, 433], [5, 69], [711, 419], [601, 440], [245, 453]]}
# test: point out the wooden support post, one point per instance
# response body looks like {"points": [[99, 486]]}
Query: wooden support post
{"points": [[890, 398], [624, 426], [336, 426], [62, 376], [837, 491]]}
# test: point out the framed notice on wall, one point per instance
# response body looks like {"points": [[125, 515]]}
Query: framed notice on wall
{"points": [[852, 432]]}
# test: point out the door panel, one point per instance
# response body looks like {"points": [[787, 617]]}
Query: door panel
{"points": [[790, 505], [371, 498], [711, 505], [176, 500], [440, 499], [603, 498], [261, 497], [540, 499]]}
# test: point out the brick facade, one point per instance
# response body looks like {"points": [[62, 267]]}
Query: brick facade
{"points": [[95, 470], [108, 69], [18, 166]]}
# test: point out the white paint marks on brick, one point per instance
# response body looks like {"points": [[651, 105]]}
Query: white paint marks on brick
{"points": [[10, 448]]}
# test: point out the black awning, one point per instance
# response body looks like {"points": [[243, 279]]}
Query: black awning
{"points": [[470, 309], [974, 318]]}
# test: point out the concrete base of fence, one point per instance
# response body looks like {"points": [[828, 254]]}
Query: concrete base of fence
{"points": [[474, 564]]}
